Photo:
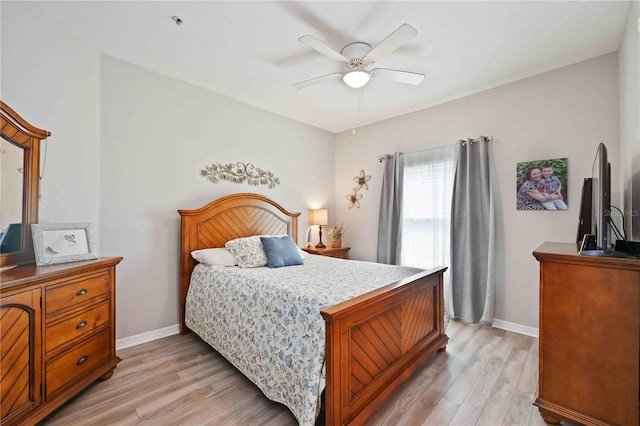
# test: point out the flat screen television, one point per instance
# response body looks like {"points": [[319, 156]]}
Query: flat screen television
{"points": [[601, 199], [598, 241], [584, 223]]}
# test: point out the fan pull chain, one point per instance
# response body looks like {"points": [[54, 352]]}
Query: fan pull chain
{"points": [[354, 93]]}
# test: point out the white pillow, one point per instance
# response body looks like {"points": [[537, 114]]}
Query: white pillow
{"points": [[214, 257], [249, 253], [302, 253]]}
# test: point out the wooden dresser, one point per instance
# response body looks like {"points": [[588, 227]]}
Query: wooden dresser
{"points": [[340, 253], [57, 334], [589, 361]]}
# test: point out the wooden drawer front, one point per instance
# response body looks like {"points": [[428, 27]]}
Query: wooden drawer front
{"points": [[339, 255], [68, 367], [72, 293], [82, 324]]}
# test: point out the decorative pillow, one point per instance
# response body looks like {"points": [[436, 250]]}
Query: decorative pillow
{"points": [[281, 251], [214, 257], [247, 252]]}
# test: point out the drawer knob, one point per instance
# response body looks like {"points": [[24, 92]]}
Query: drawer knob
{"points": [[82, 360], [81, 292], [81, 324]]}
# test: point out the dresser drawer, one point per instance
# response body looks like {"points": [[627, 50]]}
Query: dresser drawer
{"points": [[338, 255], [339, 252], [76, 326], [73, 293], [74, 363]]}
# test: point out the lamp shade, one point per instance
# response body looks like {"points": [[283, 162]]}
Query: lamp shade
{"points": [[319, 217], [356, 79]]}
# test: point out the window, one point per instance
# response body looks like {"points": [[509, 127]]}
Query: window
{"points": [[426, 207]]}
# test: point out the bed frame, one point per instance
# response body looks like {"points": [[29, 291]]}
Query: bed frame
{"points": [[374, 342]]}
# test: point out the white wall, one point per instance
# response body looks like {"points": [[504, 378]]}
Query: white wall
{"points": [[562, 113], [157, 133], [51, 80], [126, 149], [629, 60]]}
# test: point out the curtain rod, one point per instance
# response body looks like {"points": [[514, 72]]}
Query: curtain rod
{"points": [[464, 143], [471, 141]]}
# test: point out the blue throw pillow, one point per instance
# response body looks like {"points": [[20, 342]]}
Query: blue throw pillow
{"points": [[281, 251]]}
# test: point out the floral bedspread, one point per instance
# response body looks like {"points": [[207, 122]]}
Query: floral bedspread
{"points": [[267, 322]]}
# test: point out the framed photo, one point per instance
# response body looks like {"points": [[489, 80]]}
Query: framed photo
{"points": [[62, 242], [542, 185]]}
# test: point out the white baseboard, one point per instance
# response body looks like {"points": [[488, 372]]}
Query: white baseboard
{"points": [[516, 328], [147, 336]]}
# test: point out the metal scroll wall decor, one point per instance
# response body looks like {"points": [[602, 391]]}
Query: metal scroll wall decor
{"points": [[239, 173], [361, 183]]}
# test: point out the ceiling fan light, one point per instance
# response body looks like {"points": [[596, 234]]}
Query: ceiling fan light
{"points": [[356, 79]]}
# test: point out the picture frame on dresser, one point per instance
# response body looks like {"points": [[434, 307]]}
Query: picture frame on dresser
{"points": [[55, 243]]}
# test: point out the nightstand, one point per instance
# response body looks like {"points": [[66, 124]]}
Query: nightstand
{"points": [[340, 253]]}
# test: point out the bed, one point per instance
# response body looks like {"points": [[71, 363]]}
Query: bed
{"points": [[373, 342]]}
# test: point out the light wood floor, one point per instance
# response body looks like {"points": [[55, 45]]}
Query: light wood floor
{"points": [[486, 376]]}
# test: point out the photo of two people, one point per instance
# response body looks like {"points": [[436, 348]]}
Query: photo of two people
{"points": [[541, 185]]}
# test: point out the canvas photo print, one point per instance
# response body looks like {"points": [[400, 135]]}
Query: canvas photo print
{"points": [[542, 185]]}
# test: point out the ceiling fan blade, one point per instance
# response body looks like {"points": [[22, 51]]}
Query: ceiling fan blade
{"points": [[407, 77], [394, 40], [327, 51], [289, 60], [302, 11], [317, 80]]}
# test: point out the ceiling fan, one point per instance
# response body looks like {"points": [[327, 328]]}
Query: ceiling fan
{"points": [[357, 56]]}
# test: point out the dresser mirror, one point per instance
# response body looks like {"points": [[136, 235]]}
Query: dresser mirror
{"points": [[19, 173]]}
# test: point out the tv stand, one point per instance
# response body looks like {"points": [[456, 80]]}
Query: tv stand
{"points": [[589, 337]]}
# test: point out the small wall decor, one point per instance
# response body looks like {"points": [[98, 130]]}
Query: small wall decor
{"points": [[354, 198], [361, 183], [240, 173], [361, 180]]}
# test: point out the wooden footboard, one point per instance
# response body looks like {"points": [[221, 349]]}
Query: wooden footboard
{"points": [[374, 342]]}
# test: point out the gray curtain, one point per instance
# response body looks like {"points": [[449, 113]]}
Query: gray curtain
{"points": [[472, 235], [390, 217]]}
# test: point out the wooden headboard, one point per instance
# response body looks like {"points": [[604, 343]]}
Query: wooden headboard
{"points": [[227, 218]]}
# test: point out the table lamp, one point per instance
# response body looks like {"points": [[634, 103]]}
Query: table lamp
{"points": [[319, 217]]}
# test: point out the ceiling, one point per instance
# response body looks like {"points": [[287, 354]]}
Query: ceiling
{"points": [[249, 51]]}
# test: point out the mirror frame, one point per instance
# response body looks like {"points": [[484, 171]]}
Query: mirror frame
{"points": [[18, 131]]}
